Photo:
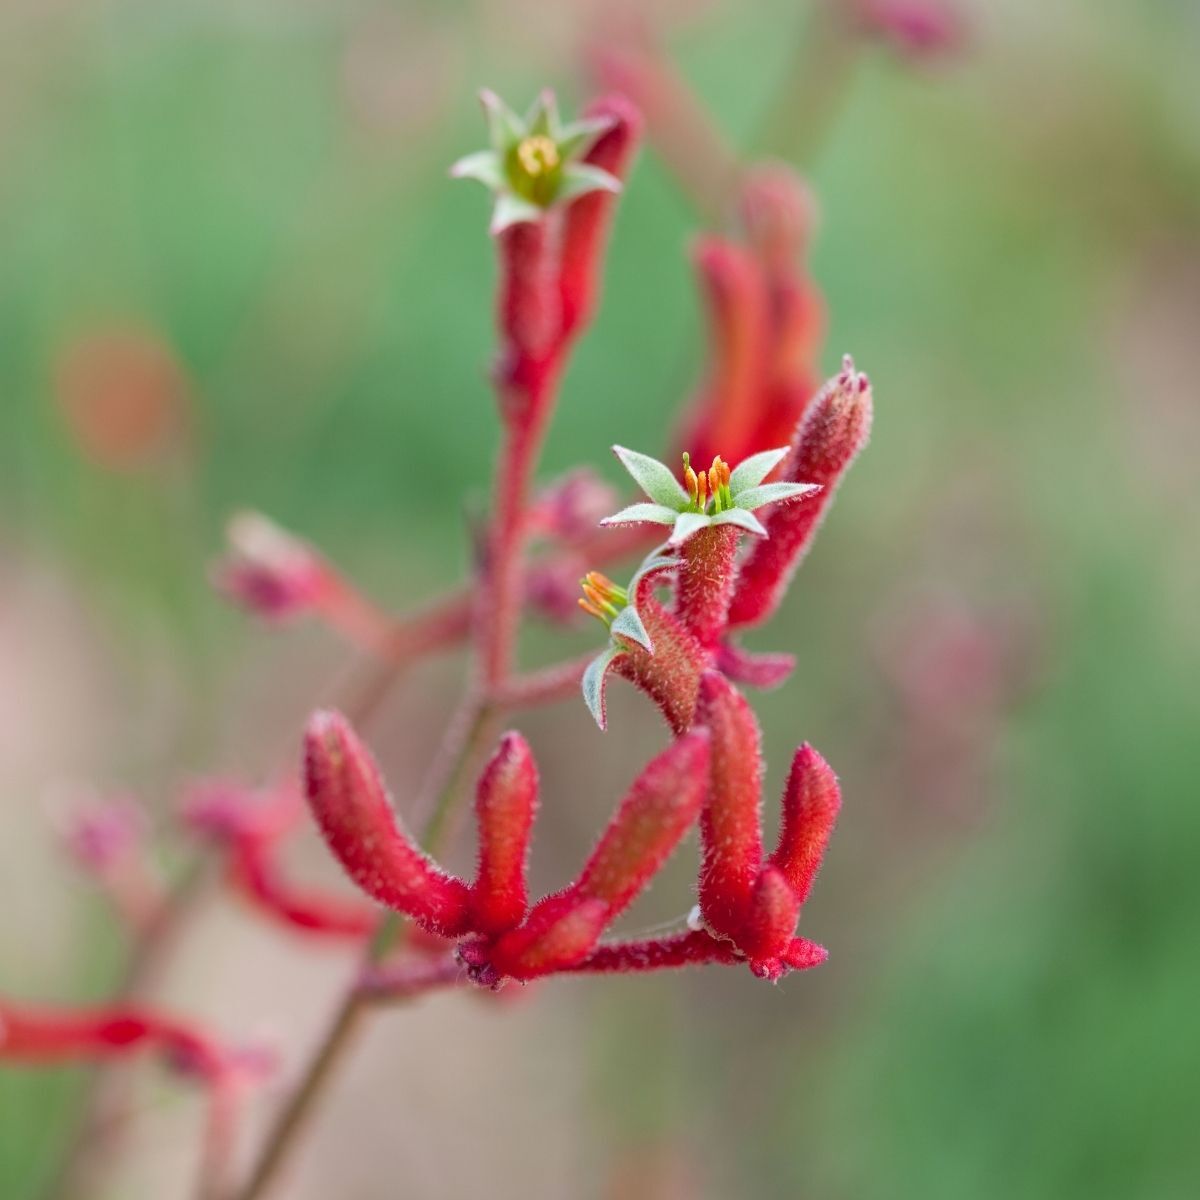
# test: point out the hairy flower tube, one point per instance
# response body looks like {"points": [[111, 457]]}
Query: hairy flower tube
{"points": [[752, 904]]}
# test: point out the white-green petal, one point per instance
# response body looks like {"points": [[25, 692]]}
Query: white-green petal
{"points": [[504, 126], [579, 136], [484, 166], [512, 210], [593, 683], [769, 493], [656, 479], [542, 119], [578, 179], [741, 518], [642, 514], [753, 470], [689, 523], [628, 624]]}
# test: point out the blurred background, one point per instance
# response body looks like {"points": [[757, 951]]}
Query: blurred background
{"points": [[234, 273]]}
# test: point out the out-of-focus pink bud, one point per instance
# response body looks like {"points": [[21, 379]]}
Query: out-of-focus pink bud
{"points": [[226, 809], [505, 806], [811, 801], [919, 29], [552, 587], [764, 671], [355, 815], [834, 430], [269, 571], [570, 508], [730, 404], [587, 220], [731, 823], [778, 211], [101, 835]]}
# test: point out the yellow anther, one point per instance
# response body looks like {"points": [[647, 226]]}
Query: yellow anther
{"points": [[702, 489], [538, 155], [592, 610]]}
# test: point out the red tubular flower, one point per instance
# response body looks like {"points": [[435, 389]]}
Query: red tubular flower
{"points": [[505, 805], [528, 310], [706, 579], [827, 441], [755, 670], [559, 932], [41, 1035], [657, 811], [254, 874], [649, 823], [347, 797], [587, 220], [730, 825], [811, 801]]}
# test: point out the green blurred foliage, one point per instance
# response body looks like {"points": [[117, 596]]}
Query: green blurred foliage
{"points": [[1013, 1013]]}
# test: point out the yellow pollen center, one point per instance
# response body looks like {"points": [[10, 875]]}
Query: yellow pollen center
{"points": [[538, 155]]}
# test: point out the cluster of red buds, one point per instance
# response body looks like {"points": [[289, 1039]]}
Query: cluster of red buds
{"points": [[760, 457]]}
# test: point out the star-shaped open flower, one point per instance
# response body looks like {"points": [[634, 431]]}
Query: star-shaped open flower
{"points": [[534, 163], [718, 496]]}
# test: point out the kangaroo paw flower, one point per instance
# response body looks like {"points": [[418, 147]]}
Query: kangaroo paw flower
{"points": [[505, 806], [355, 815]]}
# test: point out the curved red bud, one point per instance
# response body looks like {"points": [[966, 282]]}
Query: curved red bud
{"points": [[29, 1034], [657, 811], [730, 825], [827, 441], [801, 954], [346, 794], [505, 804], [770, 923], [811, 801], [254, 873], [560, 932], [756, 670]]}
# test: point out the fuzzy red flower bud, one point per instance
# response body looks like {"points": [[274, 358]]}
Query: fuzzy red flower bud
{"points": [[560, 931], [730, 825], [505, 805], [706, 581], [811, 801], [770, 923], [587, 220], [827, 441], [529, 311], [658, 810], [355, 814]]}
